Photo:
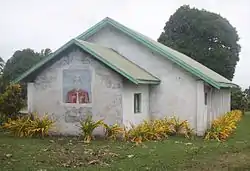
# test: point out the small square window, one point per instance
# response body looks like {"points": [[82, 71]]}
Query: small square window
{"points": [[137, 103]]}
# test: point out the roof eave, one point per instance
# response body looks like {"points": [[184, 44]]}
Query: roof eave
{"points": [[228, 85], [156, 82]]}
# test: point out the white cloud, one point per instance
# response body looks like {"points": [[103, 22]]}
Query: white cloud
{"points": [[40, 24]]}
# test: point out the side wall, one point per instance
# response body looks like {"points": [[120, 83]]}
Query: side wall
{"points": [[176, 95], [129, 117], [45, 94], [220, 103]]}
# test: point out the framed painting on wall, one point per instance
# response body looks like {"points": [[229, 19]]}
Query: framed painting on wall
{"points": [[77, 86]]}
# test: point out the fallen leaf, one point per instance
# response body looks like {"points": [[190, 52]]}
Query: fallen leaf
{"points": [[8, 155], [45, 149], [94, 162], [130, 156]]}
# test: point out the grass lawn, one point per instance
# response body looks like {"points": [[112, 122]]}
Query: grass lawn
{"points": [[173, 154]]}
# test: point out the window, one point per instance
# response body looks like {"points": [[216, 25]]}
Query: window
{"points": [[205, 96], [137, 103], [77, 86]]}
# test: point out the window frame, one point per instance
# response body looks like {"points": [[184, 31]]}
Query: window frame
{"points": [[139, 109]]}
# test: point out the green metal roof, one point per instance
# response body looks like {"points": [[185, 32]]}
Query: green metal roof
{"points": [[106, 55], [180, 59], [118, 62]]}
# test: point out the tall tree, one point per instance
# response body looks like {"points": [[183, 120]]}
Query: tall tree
{"points": [[204, 36], [21, 61]]}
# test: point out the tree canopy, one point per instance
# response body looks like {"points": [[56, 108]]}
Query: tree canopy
{"points": [[21, 61], [204, 36]]}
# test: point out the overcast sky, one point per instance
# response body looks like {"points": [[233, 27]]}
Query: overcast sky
{"points": [[38, 24]]}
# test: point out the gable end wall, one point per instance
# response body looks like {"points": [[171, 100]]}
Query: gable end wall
{"points": [[176, 95], [45, 93]]}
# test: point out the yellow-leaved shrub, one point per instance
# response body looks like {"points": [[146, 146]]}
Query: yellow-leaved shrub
{"points": [[88, 125], [158, 129], [29, 126], [224, 126], [179, 127], [113, 131]]}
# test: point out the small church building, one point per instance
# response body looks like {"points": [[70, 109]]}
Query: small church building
{"points": [[117, 74]]}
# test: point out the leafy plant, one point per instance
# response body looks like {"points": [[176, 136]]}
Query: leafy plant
{"points": [[88, 126], [40, 126], [158, 129], [239, 99], [29, 126], [224, 126], [113, 131], [178, 127], [18, 127], [11, 102]]}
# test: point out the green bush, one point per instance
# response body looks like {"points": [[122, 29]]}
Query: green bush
{"points": [[239, 100], [11, 102]]}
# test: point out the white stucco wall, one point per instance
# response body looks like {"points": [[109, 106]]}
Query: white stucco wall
{"points": [[129, 117], [45, 94], [201, 113], [177, 92], [220, 102]]}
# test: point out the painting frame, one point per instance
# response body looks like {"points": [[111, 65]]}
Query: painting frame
{"points": [[80, 67]]}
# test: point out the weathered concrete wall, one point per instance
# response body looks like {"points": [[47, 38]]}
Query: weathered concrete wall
{"points": [[177, 92], [129, 117], [107, 92]]}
